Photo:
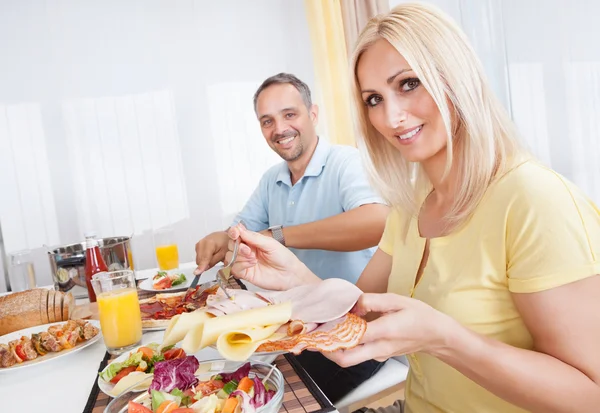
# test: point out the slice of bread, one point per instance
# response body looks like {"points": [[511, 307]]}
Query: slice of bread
{"points": [[58, 303], [50, 309], [68, 306], [44, 306]]}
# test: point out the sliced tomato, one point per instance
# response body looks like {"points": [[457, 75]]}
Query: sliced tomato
{"points": [[20, 352], [163, 283], [174, 353], [124, 372], [183, 410], [189, 393], [208, 387], [133, 407]]}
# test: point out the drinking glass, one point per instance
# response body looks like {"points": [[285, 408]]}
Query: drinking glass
{"points": [[167, 254], [119, 310], [21, 272]]}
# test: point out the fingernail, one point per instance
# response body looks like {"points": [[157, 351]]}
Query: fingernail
{"points": [[197, 271]]}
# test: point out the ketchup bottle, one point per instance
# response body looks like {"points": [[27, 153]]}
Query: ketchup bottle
{"points": [[94, 263]]}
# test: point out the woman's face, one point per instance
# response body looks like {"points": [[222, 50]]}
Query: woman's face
{"points": [[398, 105]]}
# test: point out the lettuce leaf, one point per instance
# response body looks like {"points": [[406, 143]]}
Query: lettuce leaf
{"points": [[160, 396], [175, 374], [114, 368], [179, 280]]}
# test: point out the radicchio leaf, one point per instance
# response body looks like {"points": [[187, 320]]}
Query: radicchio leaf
{"points": [[236, 375], [261, 395], [175, 373], [247, 406]]}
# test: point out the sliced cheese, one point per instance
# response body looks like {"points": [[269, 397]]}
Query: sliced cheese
{"points": [[181, 324], [207, 333], [239, 345], [139, 379]]}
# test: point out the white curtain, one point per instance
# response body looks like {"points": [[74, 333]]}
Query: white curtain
{"points": [[543, 60]]}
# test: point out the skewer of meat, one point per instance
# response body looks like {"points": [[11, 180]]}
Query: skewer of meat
{"points": [[57, 338]]}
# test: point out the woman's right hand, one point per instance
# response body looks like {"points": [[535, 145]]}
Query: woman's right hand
{"points": [[264, 262]]}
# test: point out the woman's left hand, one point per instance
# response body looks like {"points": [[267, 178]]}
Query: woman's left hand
{"points": [[406, 325]]}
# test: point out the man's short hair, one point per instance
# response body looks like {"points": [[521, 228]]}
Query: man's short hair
{"points": [[286, 78]]}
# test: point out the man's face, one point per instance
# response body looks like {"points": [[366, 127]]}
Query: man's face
{"points": [[286, 123]]}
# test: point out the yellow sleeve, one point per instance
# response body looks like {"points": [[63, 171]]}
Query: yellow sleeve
{"points": [[552, 234], [390, 232]]}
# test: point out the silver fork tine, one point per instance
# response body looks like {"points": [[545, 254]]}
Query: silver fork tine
{"points": [[224, 273]]}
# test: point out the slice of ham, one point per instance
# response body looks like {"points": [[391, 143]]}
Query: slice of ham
{"points": [[318, 303], [218, 304], [343, 333], [149, 309], [299, 327]]}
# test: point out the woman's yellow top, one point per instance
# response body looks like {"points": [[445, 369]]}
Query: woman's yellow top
{"points": [[532, 231]]}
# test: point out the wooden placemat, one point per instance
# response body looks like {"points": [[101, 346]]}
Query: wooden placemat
{"points": [[301, 394]]}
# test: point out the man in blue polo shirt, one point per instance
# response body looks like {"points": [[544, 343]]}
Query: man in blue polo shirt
{"points": [[317, 202]]}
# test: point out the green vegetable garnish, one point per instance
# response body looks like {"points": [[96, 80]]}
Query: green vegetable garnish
{"points": [[179, 280]]}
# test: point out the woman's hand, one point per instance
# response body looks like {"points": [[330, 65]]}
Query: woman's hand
{"points": [[266, 263], [406, 326]]}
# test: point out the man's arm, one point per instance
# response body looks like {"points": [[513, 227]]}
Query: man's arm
{"points": [[359, 227], [352, 230]]}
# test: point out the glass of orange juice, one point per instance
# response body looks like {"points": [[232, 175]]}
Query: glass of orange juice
{"points": [[167, 254], [119, 310]]}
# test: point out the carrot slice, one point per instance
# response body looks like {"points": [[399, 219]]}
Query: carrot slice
{"points": [[167, 406], [230, 405], [245, 385]]}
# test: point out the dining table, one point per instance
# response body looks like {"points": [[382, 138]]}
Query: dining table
{"points": [[68, 384]]}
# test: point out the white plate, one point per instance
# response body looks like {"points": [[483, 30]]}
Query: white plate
{"points": [[107, 387], [27, 332], [147, 284], [154, 328]]}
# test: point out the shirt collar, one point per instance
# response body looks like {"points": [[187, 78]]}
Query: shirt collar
{"points": [[315, 165]]}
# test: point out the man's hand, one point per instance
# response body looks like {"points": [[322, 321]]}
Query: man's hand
{"points": [[211, 250]]}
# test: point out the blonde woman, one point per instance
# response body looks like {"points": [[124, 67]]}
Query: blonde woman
{"points": [[490, 260]]}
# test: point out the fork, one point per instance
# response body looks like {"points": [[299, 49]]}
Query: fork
{"points": [[224, 274]]}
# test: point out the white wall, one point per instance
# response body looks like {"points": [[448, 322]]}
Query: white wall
{"points": [[123, 116], [543, 60]]}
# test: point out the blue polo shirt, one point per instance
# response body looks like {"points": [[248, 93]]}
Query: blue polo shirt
{"points": [[334, 182]]}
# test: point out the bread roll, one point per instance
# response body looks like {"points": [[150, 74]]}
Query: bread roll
{"points": [[20, 310]]}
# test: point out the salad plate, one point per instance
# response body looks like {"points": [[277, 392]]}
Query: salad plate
{"points": [[135, 368], [165, 281]]}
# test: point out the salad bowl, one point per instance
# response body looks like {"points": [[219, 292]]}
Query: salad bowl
{"points": [[270, 396]]}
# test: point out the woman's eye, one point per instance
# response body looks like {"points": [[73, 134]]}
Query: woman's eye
{"points": [[409, 84], [373, 100]]}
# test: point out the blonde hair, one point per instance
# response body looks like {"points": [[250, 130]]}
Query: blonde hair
{"points": [[483, 142]]}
